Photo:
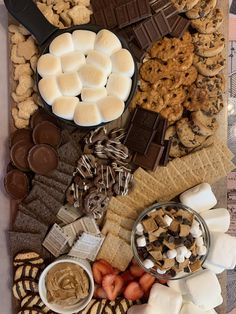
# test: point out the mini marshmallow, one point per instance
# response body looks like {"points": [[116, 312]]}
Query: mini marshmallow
{"points": [[122, 62], [160, 271], [217, 220], [168, 220], [61, 45], [214, 268], [141, 241], [199, 241], [87, 114], [69, 84], [188, 254], [119, 86], [181, 250], [111, 108], [72, 61], [171, 254], [178, 285], [92, 77], [48, 65], [180, 259], [142, 309], [164, 299], [93, 94], [64, 107], [222, 251], [201, 250], [204, 289], [139, 229], [190, 308], [100, 60], [147, 263], [49, 89], [199, 198], [83, 40], [196, 233], [107, 42]]}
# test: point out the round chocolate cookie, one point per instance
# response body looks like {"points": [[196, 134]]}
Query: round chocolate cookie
{"points": [[210, 23], [208, 45], [201, 9], [16, 184], [47, 133], [209, 66], [19, 135], [41, 115], [42, 159], [19, 154]]}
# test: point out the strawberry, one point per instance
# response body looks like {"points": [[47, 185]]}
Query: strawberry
{"points": [[134, 261], [100, 293], [100, 269], [127, 277], [163, 281], [146, 282], [133, 291], [112, 284], [136, 271]]}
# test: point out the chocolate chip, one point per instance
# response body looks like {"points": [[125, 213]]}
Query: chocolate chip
{"points": [[193, 258], [171, 239], [178, 241], [187, 222]]}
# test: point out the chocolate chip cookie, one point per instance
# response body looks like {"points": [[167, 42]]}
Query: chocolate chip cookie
{"points": [[201, 9], [209, 23], [150, 100], [184, 5], [213, 85], [196, 99], [189, 76], [203, 124], [172, 113], [165, 49], [177, 149], [215, 105], [209, 66], [186, 134], [208, 45]]}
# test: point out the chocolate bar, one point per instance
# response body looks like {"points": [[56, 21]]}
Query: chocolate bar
{"points": [[160, 131], [180, 27], [152, 158], [170, 10], [137, 52], [145, 118], [158, 5], [105, 17], [165, 156]]}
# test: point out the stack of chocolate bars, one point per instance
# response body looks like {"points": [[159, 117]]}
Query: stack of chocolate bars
{"points": [[146, 138], [140, 22]]}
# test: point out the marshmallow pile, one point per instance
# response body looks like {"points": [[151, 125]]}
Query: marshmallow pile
{"points": [[86, 77]]}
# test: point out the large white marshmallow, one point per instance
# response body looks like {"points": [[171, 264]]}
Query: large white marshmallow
{"points": [[111, 108], [204, 289], [199, 198], [49, 89], [61, 45], [165, 299], [123, 63], [93, 94], [217, 220], [190, 308], [119, 86], [222, 251], [69, 84], [107, 42], [178, 285], [92, 77], [83, 40], [214, 268], [64, 107], [142, 309], [100, 60], [87, 114], [48, 64], [72, 61]]}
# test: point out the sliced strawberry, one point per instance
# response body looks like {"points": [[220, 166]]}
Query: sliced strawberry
{"points": [[112, 284], [163, 281], [108, 265], [136, 271], [100, 293], [133, 291], [146, 282], [127, 277], [134, 261], [101, 269]]}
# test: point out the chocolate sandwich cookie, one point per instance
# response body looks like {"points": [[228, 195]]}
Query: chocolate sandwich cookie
{"points": [[27, 271], [47, 133], [23, 286], [16, 184], [28, 257], [34, 300], [19, 154]]}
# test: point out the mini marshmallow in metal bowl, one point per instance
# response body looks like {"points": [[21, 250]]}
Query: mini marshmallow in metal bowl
{"points": [[139, 241], [28, 14]]}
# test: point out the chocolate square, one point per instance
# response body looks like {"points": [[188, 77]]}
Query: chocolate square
{"points": [[138, 139], [137, 52], [162, 23], [152, 30], [160, 131], [158, 5], [145, 118], [169, 11], [165, 156], [152, 159], [180, 28], [141, 36]]}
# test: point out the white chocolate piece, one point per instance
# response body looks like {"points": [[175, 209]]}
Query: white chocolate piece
{"points": [[100, 60], [171, 254], [214, 268], [199, 241], [111, 108], [188, 254], [142, 309], [222, 251], [190, 308], [69, 84], [201, 250], [49, 89], [92, 77], [147, 263], [83, 40], [180, 259], [200, 198], [168, 220], [64, 107], [72, 61], [204, 289], [61, 45], [217, 220], [48, 65], [107, 42], [141, 241], [139, 229], [119, 86], [87, 114], [93, 94], [122, 62], [164, 299], [160, 271], [178, 285]]}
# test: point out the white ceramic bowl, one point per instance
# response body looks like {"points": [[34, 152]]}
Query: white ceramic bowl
{"points": [[67, 309]]}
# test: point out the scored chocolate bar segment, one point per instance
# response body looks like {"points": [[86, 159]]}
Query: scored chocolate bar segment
{"points": [[105, 17], [158, 5], [162, 23], [137, 52], [161, 131], [170, 10], [151, 160], [145, 118], [165, 156], [180, 27]]}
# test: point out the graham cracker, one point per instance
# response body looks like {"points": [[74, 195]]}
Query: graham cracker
{"points": [[144, 188], [109, 247], [162, 175], [177, 177], [148, 179], [224, 149], [114, 228], [121, 209], [124, 222], [139, 197], [123, 256]]}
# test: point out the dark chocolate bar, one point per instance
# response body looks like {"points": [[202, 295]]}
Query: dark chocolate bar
{"points": [[158, 5], [151, 160], [145, 118], [180, 27], [165, 156], [160, 131], [170, 10], [137, 52], [105, 17]]}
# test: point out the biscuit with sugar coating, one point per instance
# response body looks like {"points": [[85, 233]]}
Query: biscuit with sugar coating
{"points": [[107, 42], [49, 89], [123, 63], [72, 61], [93, 94], [92, 77], [119, 86], [69, 84], [83, 40], [87, 114], [48, 64], [64, 107], [61, 45], [111, 108]]}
